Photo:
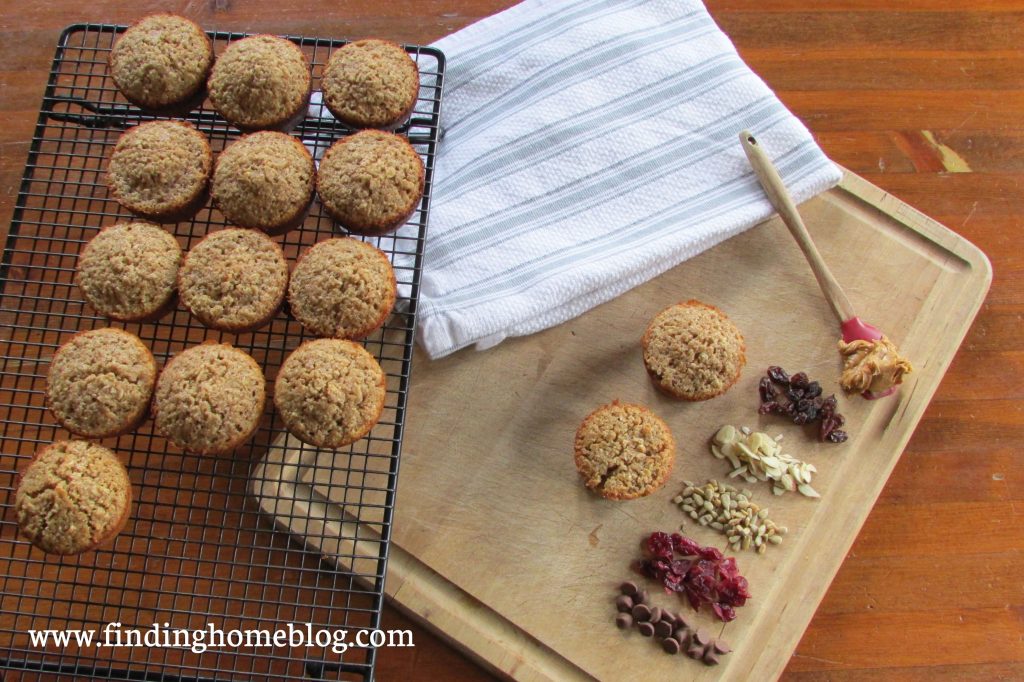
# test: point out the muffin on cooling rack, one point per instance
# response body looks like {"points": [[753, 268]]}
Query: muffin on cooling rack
{"points": [[209, 398], [234, 279], [330, 392], [100, 382], [73, 497], [693, 351], [264, 180], [160, 170], [342, 288], [161, 62], [370, 182], [371, 84], [129, 271], [624, 451], [261, 82]]}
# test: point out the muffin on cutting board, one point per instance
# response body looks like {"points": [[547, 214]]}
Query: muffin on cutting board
{"points": [[100, 382], [161, 62], [209, 398], [160, 170], [371, 84], [342, 288], [330, 392], [693, 351], [73, 497], [260, 82], [129, 271], [264, 180], [370, 182], [234, 279]]}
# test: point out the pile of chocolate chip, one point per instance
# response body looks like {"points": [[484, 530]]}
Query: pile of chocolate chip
{"points": [[675, 632]]}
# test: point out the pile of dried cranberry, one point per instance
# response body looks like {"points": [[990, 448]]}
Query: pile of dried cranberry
{"points": [[799, 398], [703, 573]]}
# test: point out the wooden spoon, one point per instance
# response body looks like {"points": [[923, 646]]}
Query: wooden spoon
{"points": [[852, 326]]}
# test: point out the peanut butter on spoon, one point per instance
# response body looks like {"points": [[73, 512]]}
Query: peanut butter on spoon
{"points": [[875, 366]]}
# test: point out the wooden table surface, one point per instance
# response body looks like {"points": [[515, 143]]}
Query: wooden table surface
{"points": [[926, 100]]}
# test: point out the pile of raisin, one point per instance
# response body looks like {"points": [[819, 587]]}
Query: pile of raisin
{"points": [[799, 398], [703, 574]]}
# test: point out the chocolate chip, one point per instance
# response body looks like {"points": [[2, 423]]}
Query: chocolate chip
{"points": [[643, 597], [695, 651], [629, 588], [641, 613], [655, 614], [685, 621], [669, 617], [683, 636], [671, 646], [623, 621], [663, 629], [702, 637], [646, 629], [721, 646], [709, 657], [623, 603]]}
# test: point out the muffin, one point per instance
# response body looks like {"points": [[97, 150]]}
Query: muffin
{"points": [[161, 62], [371, 84], [209, 399], [129, 271], [234, 279], [260, 82], [370, 182], [342, 288], [100, 382], [73, 497], [693, 351], [329, 392], [160, 170], [264, 180], [624, 451]]}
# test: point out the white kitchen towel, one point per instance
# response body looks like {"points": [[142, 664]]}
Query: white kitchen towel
{"points": [[589, 146]]}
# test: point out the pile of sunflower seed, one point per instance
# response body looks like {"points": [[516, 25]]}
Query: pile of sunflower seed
{"points": [[758, 457], [731, 512]]}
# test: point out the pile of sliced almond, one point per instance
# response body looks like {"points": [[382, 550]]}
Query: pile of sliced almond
{"points": [[756, 456]]}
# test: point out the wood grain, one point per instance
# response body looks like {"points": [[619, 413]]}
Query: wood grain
{"points": [[868, 81]]}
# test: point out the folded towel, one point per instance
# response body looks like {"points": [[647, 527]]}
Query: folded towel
{"points": [[590, 145]]}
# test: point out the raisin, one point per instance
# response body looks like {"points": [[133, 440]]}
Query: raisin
{"points": [[813, 390], [800, 399], [799, 380], [778, 375]]}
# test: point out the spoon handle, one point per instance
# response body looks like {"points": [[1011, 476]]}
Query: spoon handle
{"points": [[773, 186]]}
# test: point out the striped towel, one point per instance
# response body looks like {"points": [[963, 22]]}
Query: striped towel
{"points": [[590, 145]]}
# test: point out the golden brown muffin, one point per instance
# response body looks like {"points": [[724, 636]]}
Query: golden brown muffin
{"points": [[624, 451], [209, 398], [234, 279], [343, 288], [73, 497], [260, 82], [370, 182], [371, 84], [161, 61], [330, 392], [264, 180], [160, 170], [129, 271], [693, 351], [100, 382]]}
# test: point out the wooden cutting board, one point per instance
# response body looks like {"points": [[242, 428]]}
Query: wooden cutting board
{"points": [[495, 541]]}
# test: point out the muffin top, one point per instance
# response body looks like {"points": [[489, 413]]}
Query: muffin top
{"points": [[161, 60], [260, 82], [693, 351], [100, 382], [234, 279], [263, 180], [371, 84], [370, 182], [624, 451], [73, 496], [128, 271], [160, 168], [329, 392], [209, 398], [342, 288]]}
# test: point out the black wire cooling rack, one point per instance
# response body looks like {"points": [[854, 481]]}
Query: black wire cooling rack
{"points": [[197, 552]]}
